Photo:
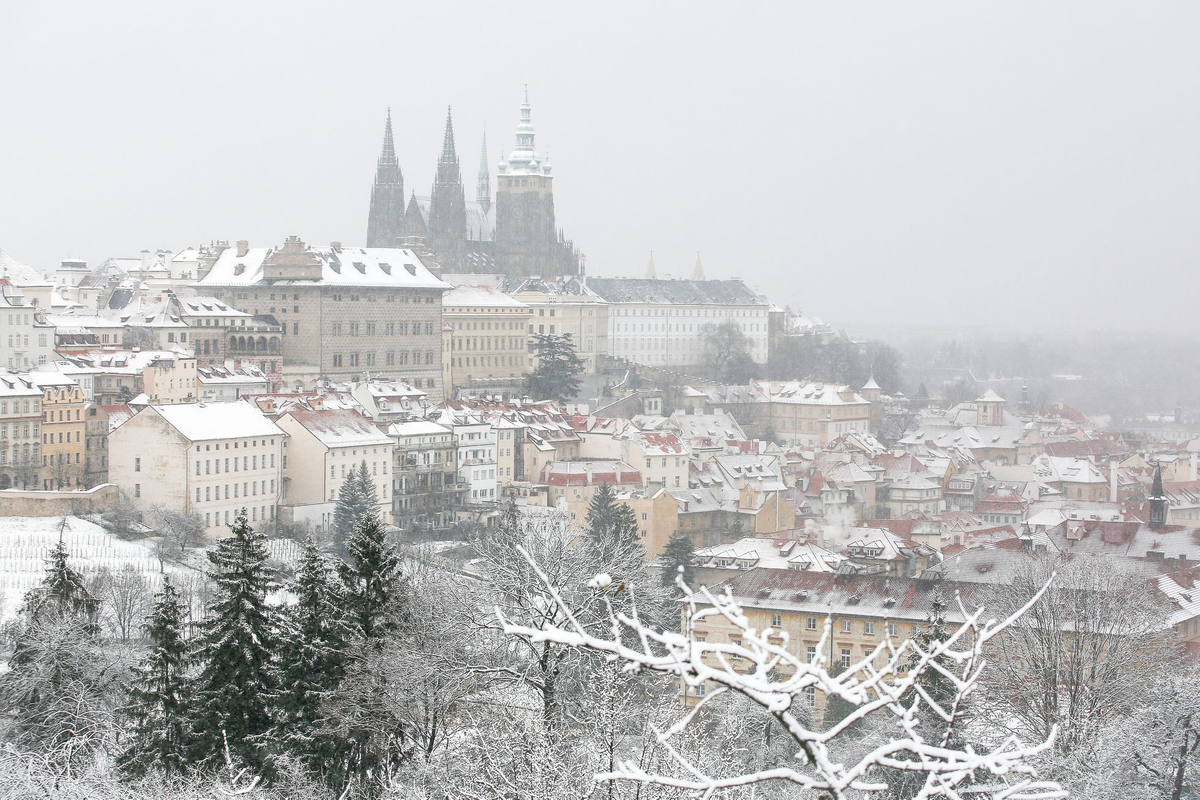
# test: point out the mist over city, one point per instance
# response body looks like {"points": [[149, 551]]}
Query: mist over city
{"points": [[470, 401]]}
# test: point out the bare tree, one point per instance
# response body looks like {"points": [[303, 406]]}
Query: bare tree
{"points": [[1092, 650], [124, 598], [179, 531], [766, 672], [124, 516]]}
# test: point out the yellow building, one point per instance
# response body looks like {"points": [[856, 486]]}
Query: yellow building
{"points": [[63, 430], [565, 305], [488, 346], [863, 611], [655, 510]]}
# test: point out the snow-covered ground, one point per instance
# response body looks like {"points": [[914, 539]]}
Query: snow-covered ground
{"points": [[26, 541]]}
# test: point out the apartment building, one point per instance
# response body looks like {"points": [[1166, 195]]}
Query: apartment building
{"points": [[425, 487], [109, 376], [20, 432], [63, 429], [26, 338], [564, 305], [321, 449], [488, 345], [577, 481], [343, 311], [203, 459]]}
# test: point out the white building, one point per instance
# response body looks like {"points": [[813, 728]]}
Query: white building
{"points": [[322, 448], [199, 458], [475, 453], [26, 338], [218, 384], [668, 322]]}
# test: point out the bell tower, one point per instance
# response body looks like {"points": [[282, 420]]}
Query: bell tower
{"points": [[526, 236]]}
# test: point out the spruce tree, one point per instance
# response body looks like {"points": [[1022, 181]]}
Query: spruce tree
{"points": [[612, 524], [678, 553], [357, 499], [58, 684], [237, 645], [558, 368], [371, 581], [312, 654], [62, 593], [159, 693]]}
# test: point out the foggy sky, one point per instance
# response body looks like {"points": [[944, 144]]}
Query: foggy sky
{"points": [[872, 164]]}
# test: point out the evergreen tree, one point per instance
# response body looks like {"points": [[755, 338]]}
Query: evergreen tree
{"points": [[311, 659], [237, 645], [159, 694], [610, 522], [62, 593], [58, 684], [556, 376], [678, 553], [357, 499], [371, 581]]}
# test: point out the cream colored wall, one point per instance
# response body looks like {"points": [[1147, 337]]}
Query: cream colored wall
{"points": [[148, 461]]}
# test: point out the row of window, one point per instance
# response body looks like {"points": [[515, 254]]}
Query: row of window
{"points": [[48, 438], [213, 466], [248, 489], [254, 514], [390, 359], [386, 329], [18, 408]]}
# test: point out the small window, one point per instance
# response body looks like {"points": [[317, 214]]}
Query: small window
{"points": [[776, 621], [811, 624], [137, 464], [845, 626]]}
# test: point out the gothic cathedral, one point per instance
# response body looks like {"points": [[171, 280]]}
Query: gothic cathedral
{"points": [[515, 236]]}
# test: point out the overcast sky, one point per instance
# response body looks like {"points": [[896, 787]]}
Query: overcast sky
{"points": [[1026, 163]]}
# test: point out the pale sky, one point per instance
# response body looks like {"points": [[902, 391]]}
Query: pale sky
{"points": [[1032, 163]]}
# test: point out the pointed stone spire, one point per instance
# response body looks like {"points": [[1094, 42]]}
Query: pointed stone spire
{"points": [[698, 269], [448, 152], [385, 218], [1158, 501], [387, 156], [650, 273], [483, 184]]}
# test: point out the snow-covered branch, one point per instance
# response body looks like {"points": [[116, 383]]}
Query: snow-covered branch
{"points": [[759, 665]]}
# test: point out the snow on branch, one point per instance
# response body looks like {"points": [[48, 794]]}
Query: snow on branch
{"points": [[761, 668]]}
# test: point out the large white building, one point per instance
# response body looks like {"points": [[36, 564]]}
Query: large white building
{"points": [[200, 458], [323, 447], [26, 338], [668, 322]]}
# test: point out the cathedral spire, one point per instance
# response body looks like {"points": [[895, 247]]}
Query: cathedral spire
{"points": [[483, 184], [387, 194], [448, 152], [1158, 500], [650, 273], [698, 270]]}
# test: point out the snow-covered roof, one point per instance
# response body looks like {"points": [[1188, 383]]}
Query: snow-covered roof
{"points": [[990, 396], [199, 422], [346, 266], [674, 292], [761, 552], [19, 273], [340, 428], [471, 297], [418, 427]]}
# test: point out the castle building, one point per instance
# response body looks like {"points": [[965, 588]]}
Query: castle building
{"points": [[516, 235], [343, 311]]}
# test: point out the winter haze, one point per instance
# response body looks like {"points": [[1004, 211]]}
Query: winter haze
{"points": [[883, 165]]}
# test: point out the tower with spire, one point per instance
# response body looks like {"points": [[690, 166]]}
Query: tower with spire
{"points": [[447, 206], [527, 239], [385, 219], [1157, 501], [483, 183]]}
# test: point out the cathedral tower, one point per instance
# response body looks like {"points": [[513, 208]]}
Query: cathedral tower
{"points": [[526, 236], [387, 196], [447, 206], [483, 184], [1157, 501]]}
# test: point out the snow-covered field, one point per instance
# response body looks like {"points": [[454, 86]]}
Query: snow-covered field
{"points": [[26, 541]]}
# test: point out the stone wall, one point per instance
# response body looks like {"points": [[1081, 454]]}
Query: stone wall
{"points": [[21, 503]]}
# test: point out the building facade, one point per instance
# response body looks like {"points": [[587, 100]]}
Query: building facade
{"points": [[344, 312], [20, 432], [669, 322], [488, 342]]}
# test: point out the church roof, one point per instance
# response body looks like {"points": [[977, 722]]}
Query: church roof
{"points": [[640, 290], [481, 224]]}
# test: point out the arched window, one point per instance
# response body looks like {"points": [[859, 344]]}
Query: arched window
{"points": [[262, 344], [274, 344], [233, 345]]}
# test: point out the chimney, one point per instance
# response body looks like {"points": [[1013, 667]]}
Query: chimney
{"points": [[337, 246], [243, 247], [145, 260], [1112, 480]]}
